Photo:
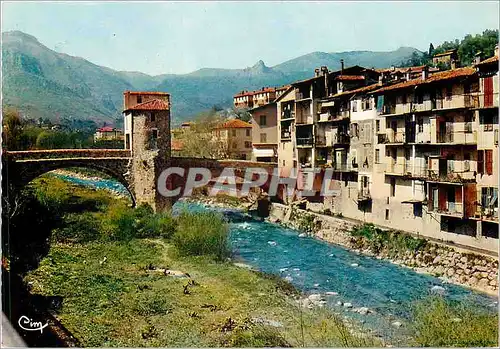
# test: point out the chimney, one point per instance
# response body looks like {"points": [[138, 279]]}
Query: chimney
{"points": [[316, 72], [325, 73], [453, 63], [477, 57], [381, 79], [341, 67], [425, 72]]}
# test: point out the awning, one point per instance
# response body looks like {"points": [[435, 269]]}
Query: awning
{"points": [[328, 104], [263, 153]]}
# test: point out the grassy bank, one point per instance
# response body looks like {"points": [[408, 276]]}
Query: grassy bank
{"points": [[108, 264], [130, 277]]}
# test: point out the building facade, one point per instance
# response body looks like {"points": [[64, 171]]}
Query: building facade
{"points": [[264, 133], [236, 137]]}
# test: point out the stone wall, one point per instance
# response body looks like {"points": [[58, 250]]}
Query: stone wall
{"points": [[450, 263]]}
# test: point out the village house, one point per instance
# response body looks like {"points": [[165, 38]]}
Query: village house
{"points": [[108, 133], [235, 136], [447, 58], [264, 133]]}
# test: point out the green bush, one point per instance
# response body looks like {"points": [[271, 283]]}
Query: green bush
{"points": [[441, 323], [78, 228], [203, 233]]}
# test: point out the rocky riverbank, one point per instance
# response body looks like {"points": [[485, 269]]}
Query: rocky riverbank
{"points": [[451, 264]]}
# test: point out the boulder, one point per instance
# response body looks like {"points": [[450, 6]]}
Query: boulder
{"points": [[397, 324], [363, 310], [315, 297], [438, 290], [347, 305]]}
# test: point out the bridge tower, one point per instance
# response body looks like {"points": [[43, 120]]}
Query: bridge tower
{"points": [[147, 136]]}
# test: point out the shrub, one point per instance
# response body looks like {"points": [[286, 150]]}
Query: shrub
{"points": [[441, 323], [204, 233], [78, 228]]}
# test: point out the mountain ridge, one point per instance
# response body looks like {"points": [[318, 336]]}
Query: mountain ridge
{"points": [[44, 83]]}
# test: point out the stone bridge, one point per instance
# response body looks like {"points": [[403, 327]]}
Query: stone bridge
{"points": [[21, 167]]}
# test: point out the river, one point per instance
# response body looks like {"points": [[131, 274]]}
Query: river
{"points": [[315, 266]]}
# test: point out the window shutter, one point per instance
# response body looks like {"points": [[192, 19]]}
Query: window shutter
{"points": [[489, 161], [480, 161]]}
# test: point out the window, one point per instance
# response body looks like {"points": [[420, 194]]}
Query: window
{"points": [[248, 144], [248, 132], [480, 161], [155, 134], [262, 120], [417, 209], [234, 133], [377, 156], [263, 138], [488, 119], [354, 130], [466, 162], [152, 117], [377, 125], [283, 162], [235, 145], [420, 125], [139, 99], [354, 106], [449, 93], [404, 97], [386, 214], [393, 187]]}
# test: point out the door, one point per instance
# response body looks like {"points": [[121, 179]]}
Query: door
{"points": [[435, 198], [488, 91]]}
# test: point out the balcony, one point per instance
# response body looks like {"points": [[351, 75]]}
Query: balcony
{"points": [[302, 95], [287, 114], [286, 134], [305, 141], [454, 209], [321, 141], [304, 119], [364, 194], [341, 138], [397, 137], [342, 167], [388, 109]]}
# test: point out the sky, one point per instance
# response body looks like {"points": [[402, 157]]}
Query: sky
{"points": [[181, 37]]}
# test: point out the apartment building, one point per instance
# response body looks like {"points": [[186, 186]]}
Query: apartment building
{"points": [[243, 100], [413, 149], [264, 133], [236, 136]]}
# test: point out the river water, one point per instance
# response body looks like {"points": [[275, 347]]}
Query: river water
{"points": [[315, 266]]}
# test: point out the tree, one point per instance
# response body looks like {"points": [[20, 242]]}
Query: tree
{"points": [[431, 49], [12, 130]]}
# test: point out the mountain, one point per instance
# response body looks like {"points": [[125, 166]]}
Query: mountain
{"points": [[43, 83]]}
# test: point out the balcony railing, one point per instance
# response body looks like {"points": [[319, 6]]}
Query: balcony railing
{"points": [[455, 209], [321, 141], [286, 134], [395, 137], [341, 138], [305, 141], [304, 119], [342, 167], [288, 114], [364, 194], [388, 109]]}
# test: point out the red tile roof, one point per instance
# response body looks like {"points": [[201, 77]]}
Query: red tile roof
{"points": [[106, 129], [243, 93], [358, 90], [441, 76], [489, 60], [147, 93], [153, 104], [235, 123], [350, 77], [446, 53]]}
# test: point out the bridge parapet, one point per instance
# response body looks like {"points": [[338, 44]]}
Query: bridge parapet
{"points": [[66, 154]]}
